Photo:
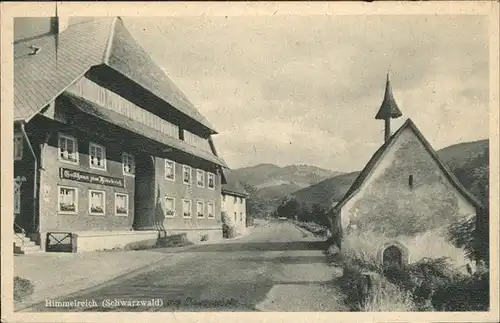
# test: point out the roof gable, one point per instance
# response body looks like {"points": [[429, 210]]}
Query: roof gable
{"points": [[378, 155], [126, 56], [40, 78]]}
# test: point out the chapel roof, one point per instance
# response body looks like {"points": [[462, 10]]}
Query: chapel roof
{"points": [[378, 155]]}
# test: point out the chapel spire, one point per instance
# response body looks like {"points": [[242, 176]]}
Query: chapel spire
{"points": [[389, 109]]}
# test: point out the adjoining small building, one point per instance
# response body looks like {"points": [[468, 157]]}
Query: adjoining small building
{"points": [[107, 150], [234, 203], [404, 192]]}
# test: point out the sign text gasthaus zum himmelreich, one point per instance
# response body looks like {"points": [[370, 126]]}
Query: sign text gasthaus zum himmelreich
{"points": [[79, 176]]}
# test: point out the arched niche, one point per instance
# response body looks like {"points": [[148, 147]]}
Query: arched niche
{"points": [[393, 253]]}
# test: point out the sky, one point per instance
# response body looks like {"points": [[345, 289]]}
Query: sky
{"points": [[305, 89]]}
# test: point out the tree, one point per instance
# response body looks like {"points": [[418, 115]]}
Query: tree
{"points": [[304, 214], [318, 215], [289, 208]]}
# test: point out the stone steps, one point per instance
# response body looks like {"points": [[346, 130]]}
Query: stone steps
{"points": [[24, 245]]}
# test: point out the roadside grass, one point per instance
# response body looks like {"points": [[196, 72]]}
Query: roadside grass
{"points": [[316, 229], [426, 285], [429, 282], [23, 288], [387, 297]]}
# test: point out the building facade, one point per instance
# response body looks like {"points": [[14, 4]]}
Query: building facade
{"points": [[233, 201], [106, 147]]}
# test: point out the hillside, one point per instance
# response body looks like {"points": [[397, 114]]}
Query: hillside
{"points": [[269, 175], [460, 155], [468, 161], [326, 192], [268, 184]]}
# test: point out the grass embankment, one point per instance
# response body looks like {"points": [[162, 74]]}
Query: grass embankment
{"points": [[428, 284], [23, 288], [314, 228]]}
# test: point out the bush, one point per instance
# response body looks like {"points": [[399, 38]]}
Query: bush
{"points": [[175, 240], [468, 293], [228, 226], [228, 231], [204, 237], [427, 285], [436, 285], [23, 288]]}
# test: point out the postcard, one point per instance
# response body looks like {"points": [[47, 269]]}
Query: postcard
{"points": [[256, 161]]}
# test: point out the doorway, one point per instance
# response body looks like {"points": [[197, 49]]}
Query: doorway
{"points": [[144, 192], [393, 257]]}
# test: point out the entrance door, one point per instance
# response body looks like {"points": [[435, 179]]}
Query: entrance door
{"points": [[144, 197], [393, 256]]}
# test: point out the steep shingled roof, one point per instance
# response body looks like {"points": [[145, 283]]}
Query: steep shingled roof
{"points": [[377, 156], [39, 79]]}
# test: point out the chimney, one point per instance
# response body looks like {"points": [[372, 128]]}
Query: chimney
{"points": [[388, 110], [59, 24]]}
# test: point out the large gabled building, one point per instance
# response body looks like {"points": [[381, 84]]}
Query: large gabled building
{"points": [[107, 149]]}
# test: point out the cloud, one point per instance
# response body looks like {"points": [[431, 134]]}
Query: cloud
{"points": [[318, 81]]}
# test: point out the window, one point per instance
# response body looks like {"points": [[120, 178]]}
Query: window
{"points": [[211, 181], [68, 149], [235, 216], [235, 199], [17, 197], [169, 207], [18, 146], [170, 170], [121, 204], [186, 208], [68, 199], [410, 181], [128, 164], [97, 155], [200, 178], [241, 216], [211, 210], [186, 174], [101, 96], [223, 198], [97, 202], [199, 209], [241, 200]]}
